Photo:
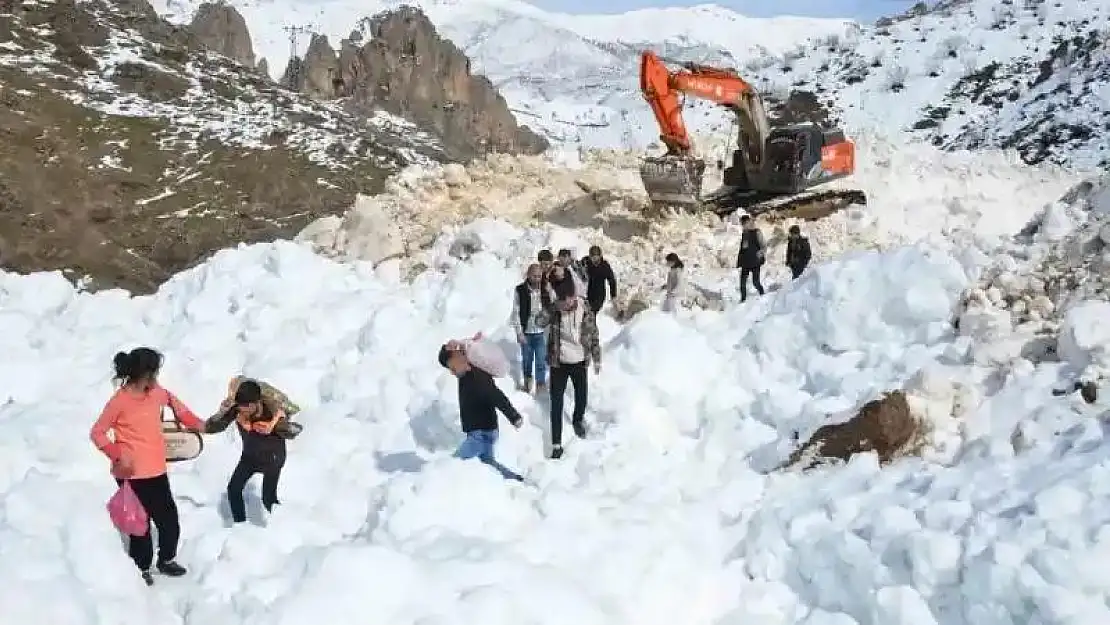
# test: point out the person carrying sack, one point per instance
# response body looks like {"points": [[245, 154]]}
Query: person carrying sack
{"points": [[259, 412]]}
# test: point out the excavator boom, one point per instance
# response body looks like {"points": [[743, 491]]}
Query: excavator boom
{"points": [[804, 157]]}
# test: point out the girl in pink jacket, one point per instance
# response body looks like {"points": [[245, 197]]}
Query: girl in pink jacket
{"points": [[137, 450]]}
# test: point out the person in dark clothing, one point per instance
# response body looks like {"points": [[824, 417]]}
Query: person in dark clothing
{"points": [[573, 344], [575, 270], [798, 252], [479, 401], [753, 253], [598, 275], [264, 430]]}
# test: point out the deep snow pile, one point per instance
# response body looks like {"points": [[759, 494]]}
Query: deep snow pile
{"points": [[916, 192], [662, 516], [1039, 297]]}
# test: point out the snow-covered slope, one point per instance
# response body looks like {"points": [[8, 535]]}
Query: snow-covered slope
{"points": [[1031, 75], [669, 512], [572, 76]]}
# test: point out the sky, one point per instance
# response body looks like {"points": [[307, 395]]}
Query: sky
{"points": [[863, 10]]}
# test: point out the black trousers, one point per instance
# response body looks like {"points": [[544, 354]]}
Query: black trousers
{"points": [[796, 271], [754, 273], [596, 303], [579, 379], [157, 500], [244, 471]]}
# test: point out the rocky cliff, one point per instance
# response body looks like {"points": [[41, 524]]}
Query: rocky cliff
{"points": [[128, 151], [222, 29], [397, 62]]}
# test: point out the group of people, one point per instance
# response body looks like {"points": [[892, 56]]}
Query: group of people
{"points": [[137, 451], [554, 317], [753, 255]]}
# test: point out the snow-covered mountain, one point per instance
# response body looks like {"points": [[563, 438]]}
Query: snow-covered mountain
{"points": [[1032, 75], [572, 76]]}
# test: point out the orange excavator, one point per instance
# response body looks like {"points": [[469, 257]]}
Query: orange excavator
{"points": [[773, 167]]}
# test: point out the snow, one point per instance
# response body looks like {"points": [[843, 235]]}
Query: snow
{"points": [[672, 510]]}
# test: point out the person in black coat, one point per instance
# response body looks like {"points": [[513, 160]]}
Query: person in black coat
{"points": [[798, 252], [479, 402], [598, 275], [753, 253]]}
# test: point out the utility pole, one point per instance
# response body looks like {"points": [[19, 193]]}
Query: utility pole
{"points": [[294, 32]]}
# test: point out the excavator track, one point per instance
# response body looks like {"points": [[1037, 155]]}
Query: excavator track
{"points": [[676, 184], [808, 205]]}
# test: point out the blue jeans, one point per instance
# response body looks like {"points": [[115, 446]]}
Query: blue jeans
{"points": [[479, 443], [534, 351]]}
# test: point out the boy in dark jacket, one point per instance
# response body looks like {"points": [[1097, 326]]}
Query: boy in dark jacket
{"points": [[753, 253], [264, 428], [798, 252], [479, 401], [598, 275]]}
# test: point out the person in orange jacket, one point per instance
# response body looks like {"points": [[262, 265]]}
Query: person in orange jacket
{"points": [[137, 450], [264, 429]]}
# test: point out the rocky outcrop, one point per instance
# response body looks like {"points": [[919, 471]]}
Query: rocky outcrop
{"points": [[398, 63], [885, 426], [221, 28]]}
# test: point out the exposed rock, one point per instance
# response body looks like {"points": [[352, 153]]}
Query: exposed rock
{"points": [[168, 152], [407, 69], [883, 425], [223, 30], [320, 72]]}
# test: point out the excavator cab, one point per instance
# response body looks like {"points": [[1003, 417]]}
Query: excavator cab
{"points": [[804, 155]]}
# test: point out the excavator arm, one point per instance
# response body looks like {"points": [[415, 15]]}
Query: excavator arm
{"points": [[662, 89]]}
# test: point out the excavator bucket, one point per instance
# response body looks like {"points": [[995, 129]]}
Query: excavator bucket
{"points": [[673, 181]]}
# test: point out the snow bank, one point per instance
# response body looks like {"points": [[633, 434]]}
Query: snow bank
{"points": [[669, 495]]}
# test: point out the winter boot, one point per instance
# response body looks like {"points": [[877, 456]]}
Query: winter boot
{"points": [[556, 452], [527, 386], [148, 579], [171, 569], [580, 429], [541, 388]]}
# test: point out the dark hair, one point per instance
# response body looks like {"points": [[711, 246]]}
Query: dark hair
{"points": [[139, 364], [545, 256], [795, 229], [444, 356], [745, 219], [673, 258], [248, 392], [595, 250], [564, 252]]}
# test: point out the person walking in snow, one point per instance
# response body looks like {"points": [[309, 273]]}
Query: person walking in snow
{"points": [[798, 252], [264, 428], [675, 288], [599, 274], [133, 416], [573, 344], [574, 269], [479, 401], [531, 308], [753, 253]]}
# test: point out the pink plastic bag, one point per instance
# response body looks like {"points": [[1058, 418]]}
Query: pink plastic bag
{"points": [[127, 512]]}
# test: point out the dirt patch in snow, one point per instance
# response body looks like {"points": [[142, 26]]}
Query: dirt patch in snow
{"points": [[885, 426]]}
